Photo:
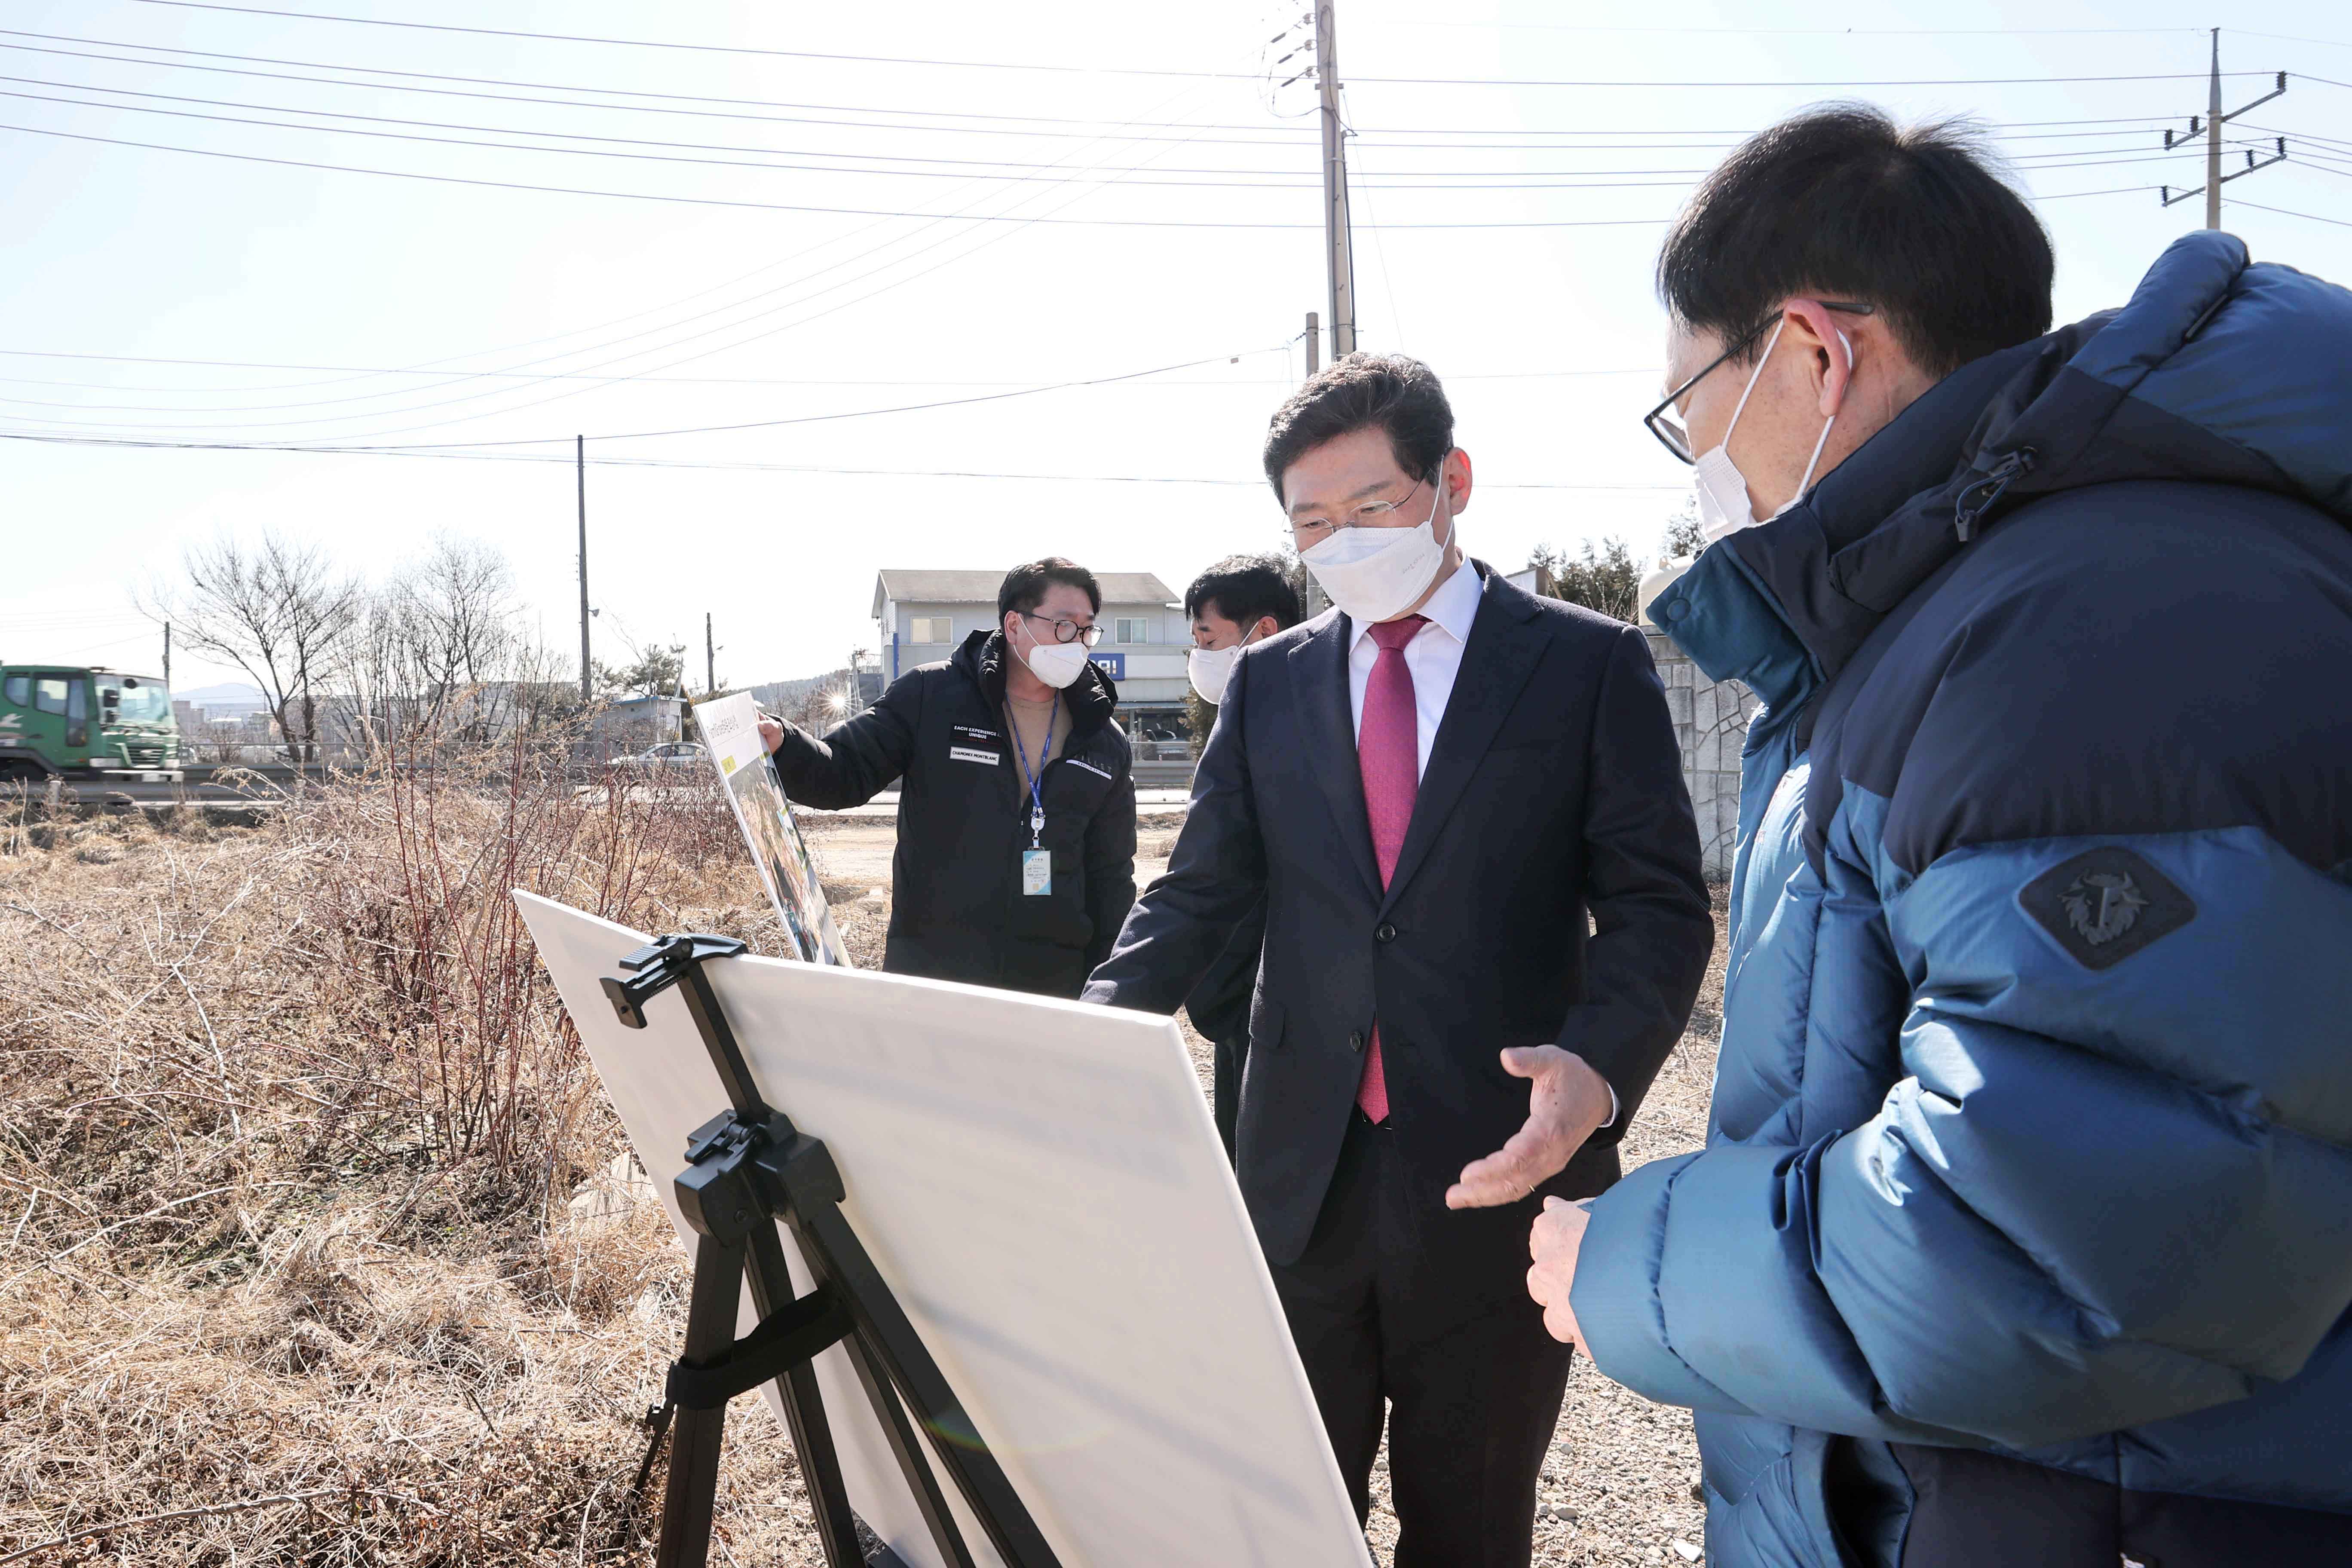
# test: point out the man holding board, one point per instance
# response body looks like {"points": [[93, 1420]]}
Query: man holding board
{"points": [[1433, 787], [1016, 808]]}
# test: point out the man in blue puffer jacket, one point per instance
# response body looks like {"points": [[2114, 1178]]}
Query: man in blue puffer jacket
{"points": [[2023, 1232]]}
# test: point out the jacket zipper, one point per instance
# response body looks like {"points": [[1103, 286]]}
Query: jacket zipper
{"points": [[1972, 505]]}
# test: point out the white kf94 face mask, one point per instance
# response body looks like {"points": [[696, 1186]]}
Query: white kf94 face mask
{"points": [[1057, 664], [1720, 489], [1374, 574], [1211, 669]]}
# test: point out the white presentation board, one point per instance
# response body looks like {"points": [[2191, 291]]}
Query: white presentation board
{"points": [[1042, 1185]]}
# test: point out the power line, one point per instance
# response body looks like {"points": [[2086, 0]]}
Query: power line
{"points": [[697, 49], [996, 169], [1114, 177], [779, 207], [2285, 37], [1250, 483], [847, 212], [1125, 70], [2283, 212], [1804, 31], [665, 99], [688, 380], [869, 413], [970, 210]]}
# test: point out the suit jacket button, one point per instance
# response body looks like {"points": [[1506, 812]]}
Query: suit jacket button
{"points": [[1386, 934], [1356, 1041]]}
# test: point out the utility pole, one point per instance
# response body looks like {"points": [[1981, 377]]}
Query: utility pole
{"points": [[580, 466], [2213, 138], [1340, 256], [2211, 131], [709, 659], [167, 656], [1314, 342]]}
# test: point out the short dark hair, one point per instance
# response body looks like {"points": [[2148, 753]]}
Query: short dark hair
{"points": [[1242, 588], [1400, 396], [1844, 202], [1026, 587]]}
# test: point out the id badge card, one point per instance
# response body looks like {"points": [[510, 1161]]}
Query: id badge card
{"points": [[1037, 872]]}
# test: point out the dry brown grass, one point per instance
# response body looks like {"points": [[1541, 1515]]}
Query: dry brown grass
{"points": [[289, 1122], [291, 1134]]}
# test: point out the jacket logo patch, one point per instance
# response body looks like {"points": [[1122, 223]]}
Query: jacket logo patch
{"points": [[974, 755], [2107, 904], [2103, 905], [1081, 763]]}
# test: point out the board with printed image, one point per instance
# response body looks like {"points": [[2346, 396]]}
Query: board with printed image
{"points": [[730, 731]]}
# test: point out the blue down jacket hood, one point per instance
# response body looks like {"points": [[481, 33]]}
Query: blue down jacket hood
{"points": [[2032, 1123]]}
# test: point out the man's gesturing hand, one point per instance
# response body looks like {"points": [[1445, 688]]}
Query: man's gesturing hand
{"points": [[1558, 1236], [1568, 1100], [772, 734]]}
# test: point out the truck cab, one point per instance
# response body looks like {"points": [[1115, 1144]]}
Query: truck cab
{"points": [[85, 723]]}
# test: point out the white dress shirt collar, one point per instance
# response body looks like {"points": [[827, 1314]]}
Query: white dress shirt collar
{"points": [[1452, 608]]}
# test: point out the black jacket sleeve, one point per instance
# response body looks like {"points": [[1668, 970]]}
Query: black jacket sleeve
{"points": [[1653, 927], [1182, 920], [1110, 863], [858, 757]]}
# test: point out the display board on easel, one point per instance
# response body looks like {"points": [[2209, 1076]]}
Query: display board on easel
{"points": [[1039, 1187]]}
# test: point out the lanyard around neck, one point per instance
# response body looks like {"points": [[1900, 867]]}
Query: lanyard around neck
{"points": [[1035, 775]]}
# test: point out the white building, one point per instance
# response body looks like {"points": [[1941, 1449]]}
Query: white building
{"points": [[924, 616]]}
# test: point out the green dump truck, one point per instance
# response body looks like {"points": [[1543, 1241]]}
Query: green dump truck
{"points": [[85, 723]]}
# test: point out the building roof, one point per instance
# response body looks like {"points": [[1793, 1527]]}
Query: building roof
{"points": [[908, 588]]}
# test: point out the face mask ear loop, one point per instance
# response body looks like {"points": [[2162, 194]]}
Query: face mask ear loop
{"points": [[1814, 461], [1741, 407]]}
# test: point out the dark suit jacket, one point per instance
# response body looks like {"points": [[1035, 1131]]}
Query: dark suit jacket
{"points": [[1554, 788], [1220, 1004]]}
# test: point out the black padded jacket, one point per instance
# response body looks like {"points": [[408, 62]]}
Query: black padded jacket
{"points": [[957, 911]]}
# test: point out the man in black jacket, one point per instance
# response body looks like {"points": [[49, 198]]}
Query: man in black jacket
{"points": [[1241, 600], [1431, 787], [1016, 808]]}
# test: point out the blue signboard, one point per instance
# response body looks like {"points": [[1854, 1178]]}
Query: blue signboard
{"points": [[1112, 664]]}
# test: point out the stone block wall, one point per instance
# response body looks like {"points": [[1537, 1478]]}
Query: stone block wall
{"points": [[1710, 725]]}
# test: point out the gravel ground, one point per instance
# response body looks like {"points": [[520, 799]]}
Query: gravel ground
{"points": [[1618, 1486]]}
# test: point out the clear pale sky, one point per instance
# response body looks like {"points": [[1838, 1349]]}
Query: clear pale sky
{"points": [[526, 317]]}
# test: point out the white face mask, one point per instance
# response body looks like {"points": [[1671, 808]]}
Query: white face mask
{"points": [[1374, 574], [1724, 506], [1211, 667], [1057, 664]]}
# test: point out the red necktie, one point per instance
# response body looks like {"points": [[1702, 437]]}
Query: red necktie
{"points": [[1387, 755]]}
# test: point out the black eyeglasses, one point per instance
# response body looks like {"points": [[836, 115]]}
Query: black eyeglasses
{"points": [[1665, 421], [1067, 631]]}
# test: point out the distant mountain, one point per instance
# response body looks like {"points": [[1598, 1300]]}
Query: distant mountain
{"points": [[227, 697]]}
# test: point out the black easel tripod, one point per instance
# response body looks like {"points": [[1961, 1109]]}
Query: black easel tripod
{"points": [[745, 1170]]}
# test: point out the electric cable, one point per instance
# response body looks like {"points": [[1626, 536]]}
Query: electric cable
{"points": [[992, 239], [1121, 70], [2283, 212], [1252, 482], [658, 108], [999, 169]]}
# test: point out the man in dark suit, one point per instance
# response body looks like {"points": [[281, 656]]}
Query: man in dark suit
{"points": [[1432, 786], [1241, 600]]}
